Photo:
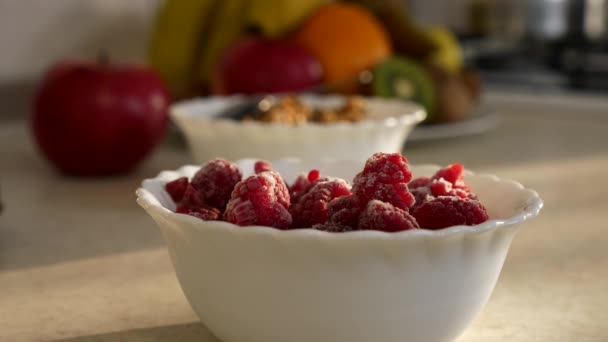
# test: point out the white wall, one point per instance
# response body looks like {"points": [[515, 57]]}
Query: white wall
{"points": [[36, 33]]}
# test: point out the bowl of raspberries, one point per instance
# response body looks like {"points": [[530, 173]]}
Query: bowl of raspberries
{"points": [[337, 251]]}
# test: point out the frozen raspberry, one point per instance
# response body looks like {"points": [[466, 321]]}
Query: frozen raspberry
{"points": [[303, 183], [182, 209], [192, 198], [422, 194], [344, 211], [261, 199], [313, 175], [385, 178], [441, 187], [261, 166], [453, 173], [312, 207], [216, 180], [447, 211], [299, 184], [384, 216], [205, 212], [419, 182], [332, 228], [177, 188]]}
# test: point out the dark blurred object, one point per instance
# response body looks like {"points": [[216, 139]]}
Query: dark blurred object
{"points": [[563, 44], [553, 20]]}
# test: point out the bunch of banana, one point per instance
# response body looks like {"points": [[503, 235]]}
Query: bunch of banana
{"points": [[175, 42], [191, 35]]}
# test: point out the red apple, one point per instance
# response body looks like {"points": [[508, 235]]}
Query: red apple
{"points": [[257, 65], [97, 119]]}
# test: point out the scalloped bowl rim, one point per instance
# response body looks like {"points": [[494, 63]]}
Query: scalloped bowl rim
{"points": [[149, 202], [412, 113]]}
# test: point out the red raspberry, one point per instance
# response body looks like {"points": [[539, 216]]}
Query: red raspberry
{"points": [[261, 166], [385, 178], [261, 199], [299, 184], [441, 187], [344, 211], [216, 180], [332, 228], [313, 175], [447, 211], [453, 173], [312, 207], [418, 183], [384, 216], [192, 198], [422, 194], [205, 212], [177, 188], [303, 183]]}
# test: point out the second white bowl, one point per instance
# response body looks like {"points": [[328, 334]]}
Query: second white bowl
{"points": [[389, 124]]}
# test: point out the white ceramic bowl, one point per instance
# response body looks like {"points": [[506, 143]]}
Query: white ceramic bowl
{"points": [[260, 284], [389, 123]]}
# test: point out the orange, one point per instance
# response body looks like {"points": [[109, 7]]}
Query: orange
{"points": [[346, 39]]}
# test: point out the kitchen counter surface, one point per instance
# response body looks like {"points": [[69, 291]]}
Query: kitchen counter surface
{"points": [[81, 262]]}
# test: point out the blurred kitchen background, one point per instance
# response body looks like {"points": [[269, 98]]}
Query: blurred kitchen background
{"points": [[545, 45]]}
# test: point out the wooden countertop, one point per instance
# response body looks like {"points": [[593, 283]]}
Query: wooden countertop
{"points": [[80, 261]]}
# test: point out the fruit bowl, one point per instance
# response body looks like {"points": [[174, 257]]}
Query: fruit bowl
{"points": [[389, 124], [261, 284]]}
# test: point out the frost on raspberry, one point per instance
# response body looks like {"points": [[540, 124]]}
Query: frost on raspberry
{"points": [[261, 166], [216, 180], [422, 194], [449, 181], [261, 199], [344, 211], [441, 187], [385, 178], [177, 188], [313, 206], [447, 211], [453, 173], [384, 216]]}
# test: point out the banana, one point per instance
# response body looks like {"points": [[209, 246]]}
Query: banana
{"points": [[175, 43], [227, 24], [448, 54], [275, 18]]}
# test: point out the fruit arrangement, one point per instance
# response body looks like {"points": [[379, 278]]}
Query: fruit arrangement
{"points": [[363, 47], [383, 196]]}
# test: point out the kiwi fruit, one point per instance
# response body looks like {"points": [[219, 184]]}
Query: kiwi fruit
{"points": [[403, 78], [472, 80], [455, 101]]}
